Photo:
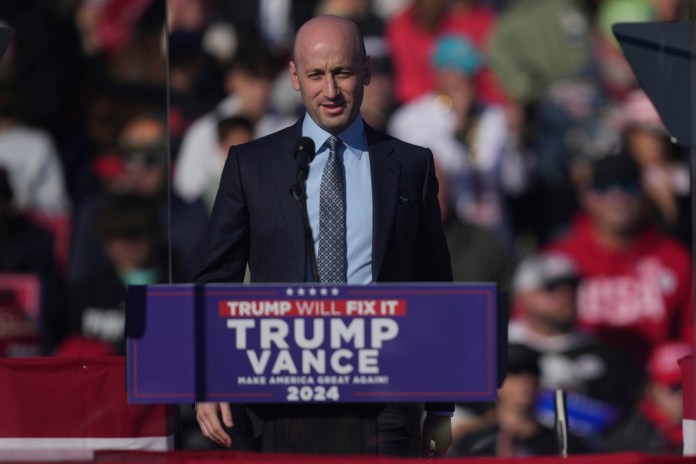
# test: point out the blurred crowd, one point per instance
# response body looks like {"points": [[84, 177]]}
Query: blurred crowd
{"points": [[558, 181]]}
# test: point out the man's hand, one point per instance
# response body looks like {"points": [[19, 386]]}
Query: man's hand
{"points": [[209, 422], [438, 430]]}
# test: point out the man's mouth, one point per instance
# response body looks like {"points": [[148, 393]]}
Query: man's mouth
{"points": [[333, 107]]}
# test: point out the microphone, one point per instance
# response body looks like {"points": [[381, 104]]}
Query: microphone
{"points": [[304, 154]]}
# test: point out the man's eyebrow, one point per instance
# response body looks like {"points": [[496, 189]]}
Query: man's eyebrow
{"points": [[340, 68]]}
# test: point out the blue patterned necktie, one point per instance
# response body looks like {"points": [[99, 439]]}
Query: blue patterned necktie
{"points": [[331, 261]]}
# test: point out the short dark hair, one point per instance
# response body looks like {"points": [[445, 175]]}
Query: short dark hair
{"points": [[523, 360], [617, 169], [255, 61], [227, 125]]}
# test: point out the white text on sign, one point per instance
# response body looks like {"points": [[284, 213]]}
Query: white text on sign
{"points": [[312, 308]]}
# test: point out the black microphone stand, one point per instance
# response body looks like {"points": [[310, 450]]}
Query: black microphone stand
{"points": [[298, 193]]}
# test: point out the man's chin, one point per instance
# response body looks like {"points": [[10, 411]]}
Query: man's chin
{"points": [[334, 125]]}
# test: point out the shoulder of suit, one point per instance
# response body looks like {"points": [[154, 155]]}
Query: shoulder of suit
{"points": [[269, 145], [408, 154], [382, 140]]}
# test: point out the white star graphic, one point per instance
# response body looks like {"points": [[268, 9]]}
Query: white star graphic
{"points": [[300, 291], [323, 291], [334, 291], [313, 291], [289, 292]]}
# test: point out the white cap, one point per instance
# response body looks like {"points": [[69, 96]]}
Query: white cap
{"points": [[541, 269]]}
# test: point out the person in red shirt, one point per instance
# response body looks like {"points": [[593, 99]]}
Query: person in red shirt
{"points": [[411, 36], [635, 290]]}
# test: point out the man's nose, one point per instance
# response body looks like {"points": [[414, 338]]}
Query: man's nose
{"points": [[330, 87]]}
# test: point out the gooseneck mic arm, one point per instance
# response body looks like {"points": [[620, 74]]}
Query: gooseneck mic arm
{"points": [[304, 154]]}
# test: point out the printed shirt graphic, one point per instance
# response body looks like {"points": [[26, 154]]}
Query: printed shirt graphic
{"points": [[635, 297]]}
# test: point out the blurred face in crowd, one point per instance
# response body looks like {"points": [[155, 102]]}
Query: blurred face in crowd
{"points": [[457, 91], [187, 15], [647, 147], [668, 399], [616, 210], [253, 92], [550, 308], [146, 160], [330, 70], [519, 391], [129, 253]]}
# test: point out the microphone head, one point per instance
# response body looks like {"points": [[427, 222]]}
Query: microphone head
{"points": [[305, 146]]}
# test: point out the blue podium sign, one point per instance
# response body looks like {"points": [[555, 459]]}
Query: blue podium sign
{"points": [[312, 343]]}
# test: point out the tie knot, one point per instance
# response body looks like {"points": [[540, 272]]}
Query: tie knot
{"points": [[333, 142]]}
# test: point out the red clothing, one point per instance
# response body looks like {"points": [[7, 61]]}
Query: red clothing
{"points": [[633, 298], [410, 48], [672, 433]]}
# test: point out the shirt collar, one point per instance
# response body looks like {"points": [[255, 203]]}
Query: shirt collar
{"points": [[354, 136]]}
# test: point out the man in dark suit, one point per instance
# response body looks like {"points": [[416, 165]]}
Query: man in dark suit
{"points": [[384, 225]]}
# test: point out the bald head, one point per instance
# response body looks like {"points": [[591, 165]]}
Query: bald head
{"points": [[329, 27], [330, 69]]}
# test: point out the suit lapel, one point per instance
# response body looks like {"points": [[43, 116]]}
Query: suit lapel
{"points": [[385, 189], [283, 172]]}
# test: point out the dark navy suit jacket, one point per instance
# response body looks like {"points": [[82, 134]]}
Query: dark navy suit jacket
{"points": [[255, 220]]}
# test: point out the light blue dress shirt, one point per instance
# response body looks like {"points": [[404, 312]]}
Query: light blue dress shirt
{"points": [[356, 166]]}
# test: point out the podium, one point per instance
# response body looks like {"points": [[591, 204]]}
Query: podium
{"points": [[315, 365]]}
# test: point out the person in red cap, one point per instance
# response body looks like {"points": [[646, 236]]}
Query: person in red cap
{"points": [[656, 425]]}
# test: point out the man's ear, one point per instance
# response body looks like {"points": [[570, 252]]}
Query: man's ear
{"points": [[294, 77]]}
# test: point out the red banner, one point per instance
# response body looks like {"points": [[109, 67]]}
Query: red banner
{"points": [[75, 403]]}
